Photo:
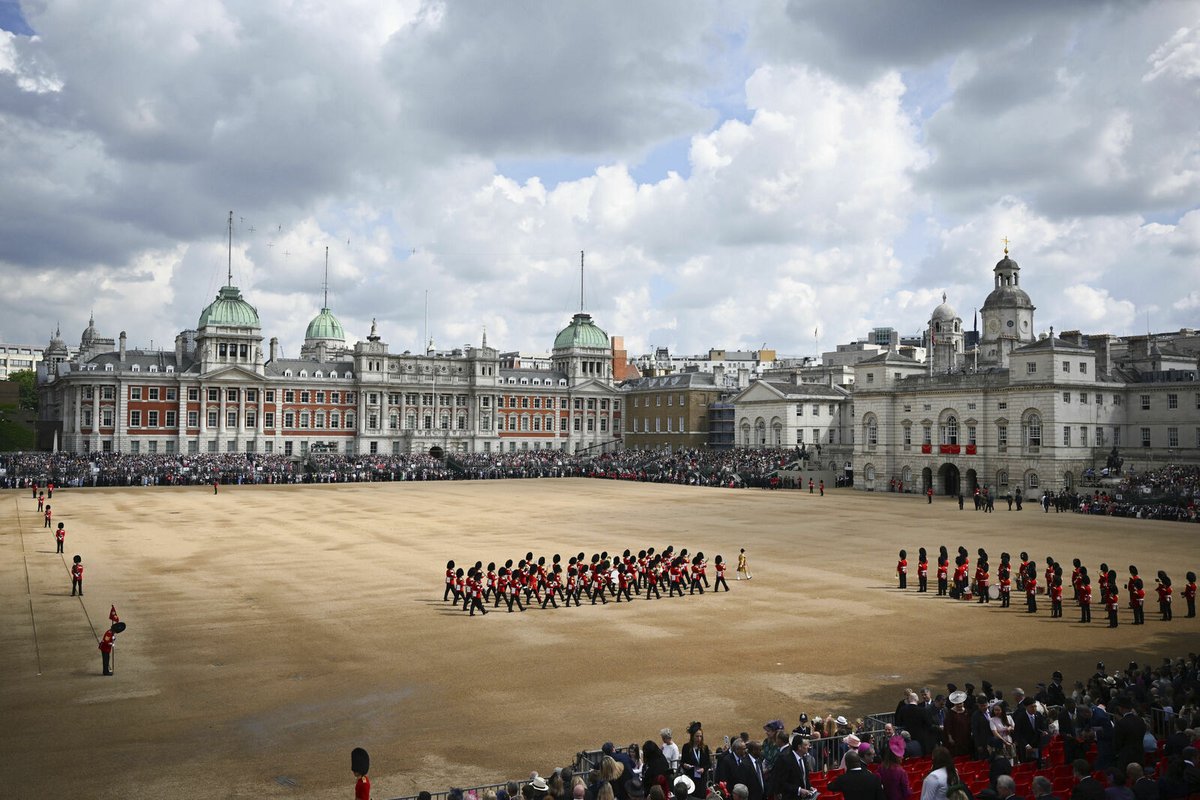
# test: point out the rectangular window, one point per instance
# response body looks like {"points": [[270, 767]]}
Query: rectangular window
{"points": [[251, 420], [289, 396], [135, 393], [799, 409], [135, 419], [108, 393], [1099, 436], [172, 416], [1145, 402], [135, 446], [907, 435], [971, 434], [578, 424], [193, 394], [1002, 437], [152, 419], [1172, 437], [289, 419], [231, 419], [269, 419], [1030, 367], [1145, 437], [269, 395], [213, 396], [1083, 435], [816, 410], [562, 424], [1067, 435], [1066, 397], [1099, 399], [591, 424], [1083, 368], [1066, 366], [304, 397], [799, 436], [251, 395], [193, 419], [287, 448], [212, 445], [926, 434], [1116, 436], [1117, 400], [578, 404], [231, 395], [1083, 398], [1001, 405], [1172, 401], [153, 393]]}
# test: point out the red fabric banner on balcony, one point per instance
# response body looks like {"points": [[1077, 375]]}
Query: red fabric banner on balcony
{"points": [[926, 448], [970, 449]]}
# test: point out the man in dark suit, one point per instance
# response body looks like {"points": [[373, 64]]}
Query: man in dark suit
{"points": [[1043, 789], [1191, 772], [1128, 732], [789, 776], [1068, 716], [1006, 788], [1029, 729], [738, 766], [857, 783], [1087, 787]]}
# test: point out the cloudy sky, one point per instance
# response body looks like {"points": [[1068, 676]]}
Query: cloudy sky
{"points": [[738, 173]]}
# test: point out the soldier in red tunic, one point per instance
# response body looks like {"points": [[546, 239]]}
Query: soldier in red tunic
{"points": [[1114, 597], [1085, 598], [1005, 582], [922, 570], [1189, 594], [1164, 595], [60, 536], [720, 581], [450, 586], [106, 648], [1056, 593], [77, 576], [902, 569], [48, 515], [1138, 601], [360, 765], [943, 573], [982, 581], [1031, 590]]}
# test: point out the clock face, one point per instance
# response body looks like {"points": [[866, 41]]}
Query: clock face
{"points": [[1011, 323], [993, 326]]}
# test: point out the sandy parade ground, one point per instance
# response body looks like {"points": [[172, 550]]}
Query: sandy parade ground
{"points": [[272, 629]]}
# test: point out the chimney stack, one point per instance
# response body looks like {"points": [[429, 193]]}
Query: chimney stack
{"points": [[122, 356], [274, 347]]}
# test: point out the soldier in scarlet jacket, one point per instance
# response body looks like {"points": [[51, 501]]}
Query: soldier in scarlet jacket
{"points": [[902, 569], [1085, 599], [922, 570], [60, 536], [1164, 595], [1031, 590], [77, 576], [1189, 594], [943, 572], [1138, 600], [106, 648]]}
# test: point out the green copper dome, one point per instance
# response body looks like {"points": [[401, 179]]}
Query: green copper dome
{"points": [[325, 326], [229, 309], [582, 332]]}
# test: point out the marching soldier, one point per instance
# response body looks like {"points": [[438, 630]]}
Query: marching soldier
{"points": [[77, 576]]}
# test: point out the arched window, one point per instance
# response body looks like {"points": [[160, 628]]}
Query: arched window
{"points": [[950, 430], [1031, 480], [1002, 478], [906, 476], [1033, 431]]}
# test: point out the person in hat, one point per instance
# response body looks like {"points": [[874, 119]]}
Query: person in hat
{"points": [[48, 515], [742, 567], [683, 788], [107, 642], [1189, 593], [850, 744], [891, 773], [1031, 589], [902, 569], [60, 536], [360, 765], [1113, 602], [1163, 588], [720, 567], [670, 750], [77, 575], [943, 572], [1029, 731], [922, 570], [695, 759]]}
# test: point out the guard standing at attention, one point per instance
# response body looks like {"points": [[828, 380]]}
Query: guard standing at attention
{"points": [[106, 649], [77, 576], [902, 569]]}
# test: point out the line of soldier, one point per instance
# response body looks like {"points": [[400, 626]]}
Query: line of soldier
{"points": [[1025, 576]]}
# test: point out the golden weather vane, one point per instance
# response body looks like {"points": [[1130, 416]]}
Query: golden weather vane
{"points": [[1005, 240]]}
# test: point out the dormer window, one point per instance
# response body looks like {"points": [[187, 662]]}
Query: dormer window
{"points": [[108, 367], [287, 373], [137, 367], [154, 368]]}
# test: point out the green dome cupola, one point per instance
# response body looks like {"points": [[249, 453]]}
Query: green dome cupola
{"points": [[325, 326], [229, 310], [581, 332]]}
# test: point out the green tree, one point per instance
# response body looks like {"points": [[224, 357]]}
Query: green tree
{"points": [[28, 383]]}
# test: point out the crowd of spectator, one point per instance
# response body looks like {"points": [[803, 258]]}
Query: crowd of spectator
{"points": [[734, 468], [1137, 724]]}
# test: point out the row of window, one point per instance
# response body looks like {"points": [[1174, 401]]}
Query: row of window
{"points": [[673, 425]]}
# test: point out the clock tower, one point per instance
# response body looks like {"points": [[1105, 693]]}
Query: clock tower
{"points": [[1007, 315]]}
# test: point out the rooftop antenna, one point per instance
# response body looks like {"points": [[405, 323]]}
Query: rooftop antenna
{"points": [[229, 276], [580, 281], [426, 321], [325, 306]]}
